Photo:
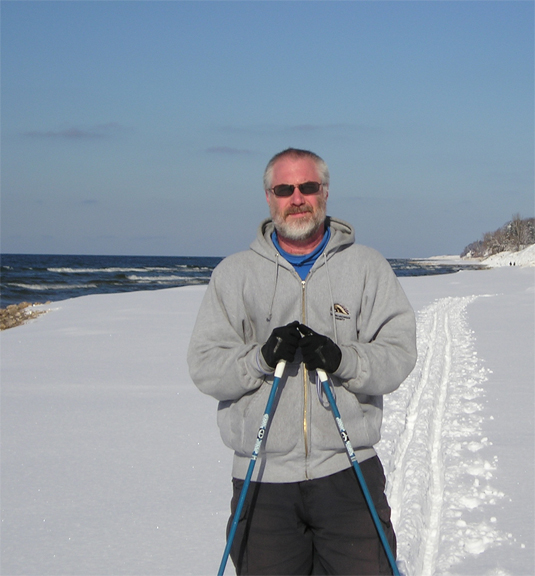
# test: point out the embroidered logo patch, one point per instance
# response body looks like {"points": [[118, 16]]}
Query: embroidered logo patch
{"points": [[341, 312]]}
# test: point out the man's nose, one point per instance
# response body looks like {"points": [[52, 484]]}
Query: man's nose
{"points": [[297, 197]]}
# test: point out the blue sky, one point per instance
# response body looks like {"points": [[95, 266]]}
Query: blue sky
{"points": [[144, 127]]}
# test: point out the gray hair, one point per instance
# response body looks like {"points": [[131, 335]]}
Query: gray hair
{"points": [[296, 153]]}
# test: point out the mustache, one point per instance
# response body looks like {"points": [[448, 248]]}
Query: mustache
{"points": [[298, 210]]}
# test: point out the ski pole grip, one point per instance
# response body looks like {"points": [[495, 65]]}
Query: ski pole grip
{"points": [[279, 370], [322, 375]]}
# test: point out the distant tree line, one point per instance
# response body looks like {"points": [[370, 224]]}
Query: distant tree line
{"points": [[513, 236]]}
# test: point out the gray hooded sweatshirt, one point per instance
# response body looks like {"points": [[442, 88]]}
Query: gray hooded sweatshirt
{"points": [[351, 295]]}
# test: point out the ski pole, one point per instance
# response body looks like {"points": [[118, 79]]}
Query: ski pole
{"points": [[279, 370], [351, 453]]}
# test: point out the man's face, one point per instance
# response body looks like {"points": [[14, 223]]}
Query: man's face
{"points": [[299, 216]]}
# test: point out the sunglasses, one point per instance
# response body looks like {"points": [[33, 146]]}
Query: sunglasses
{"points": [[286, 190]]}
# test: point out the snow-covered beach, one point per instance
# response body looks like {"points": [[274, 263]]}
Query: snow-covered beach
{"points": [[112, 462]]}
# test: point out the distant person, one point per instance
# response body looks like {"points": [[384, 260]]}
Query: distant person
{"points": [[306, 293]]}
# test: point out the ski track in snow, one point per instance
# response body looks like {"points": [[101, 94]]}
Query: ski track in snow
{"points": [[431, 439]]}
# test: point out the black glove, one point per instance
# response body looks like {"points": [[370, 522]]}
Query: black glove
{"points": [[282, 344], [319, 351]]}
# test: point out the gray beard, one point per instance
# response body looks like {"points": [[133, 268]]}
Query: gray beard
{"points": [[299, 230]]}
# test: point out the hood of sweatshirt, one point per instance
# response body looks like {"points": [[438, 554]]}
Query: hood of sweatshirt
{"points": [[342, 234]]}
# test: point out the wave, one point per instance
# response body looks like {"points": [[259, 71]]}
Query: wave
{"points": [[159, 278], [96, 270], [195, 268], [121, 270], [42, 287]]}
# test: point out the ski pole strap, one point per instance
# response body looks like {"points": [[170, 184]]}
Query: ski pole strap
{"points": [[351, 453], [279, 371]]}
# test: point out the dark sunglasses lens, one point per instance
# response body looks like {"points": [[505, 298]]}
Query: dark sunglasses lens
{"points": [[283, 190], [309, 187]]}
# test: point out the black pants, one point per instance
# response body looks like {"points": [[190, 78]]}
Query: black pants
{"points": [[320, 526]]}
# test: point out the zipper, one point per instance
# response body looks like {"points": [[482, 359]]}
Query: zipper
{"points": [[305, 376]]}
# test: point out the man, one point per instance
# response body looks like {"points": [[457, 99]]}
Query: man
{"points": [[306, 293]]}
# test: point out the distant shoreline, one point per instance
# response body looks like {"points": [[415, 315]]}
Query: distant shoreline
{"points": [[524, 257], [448, 259]]}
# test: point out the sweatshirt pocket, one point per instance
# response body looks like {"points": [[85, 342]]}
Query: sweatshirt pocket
{"points": [[357, 420], [240, 421]]}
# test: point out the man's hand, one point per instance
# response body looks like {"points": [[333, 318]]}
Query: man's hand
{"points": [[282, 344], [319, 351]]}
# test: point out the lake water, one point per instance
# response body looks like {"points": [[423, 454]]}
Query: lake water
{"points": [[38, 278]]}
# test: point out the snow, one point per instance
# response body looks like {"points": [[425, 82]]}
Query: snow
{"points": [[112, 461], [525, 257], [447, 259]]}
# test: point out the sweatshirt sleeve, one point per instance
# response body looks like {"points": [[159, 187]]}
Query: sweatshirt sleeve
{"points": [[385, 351], [224, 361]]}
